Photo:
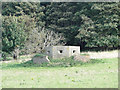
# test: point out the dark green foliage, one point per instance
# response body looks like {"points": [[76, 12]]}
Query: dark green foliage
{"points": [[32, 9], [4, 56], [64, 18], [100, 25], [13, 33], [83, 24]]}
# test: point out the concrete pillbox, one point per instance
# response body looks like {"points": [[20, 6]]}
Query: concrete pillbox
{"points": [[62, 51]]}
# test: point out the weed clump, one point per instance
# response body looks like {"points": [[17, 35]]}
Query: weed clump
{"points": [[64, 62], [40, 55]]}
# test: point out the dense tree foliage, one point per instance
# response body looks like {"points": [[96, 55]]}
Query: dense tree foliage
{"points": [[100, 25], [87, 24], [64, 18], [84, 24], [13, 33], [34, 10]]}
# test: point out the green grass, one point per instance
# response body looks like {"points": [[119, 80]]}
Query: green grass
{"points": [[11, 58], [65, 62], [100, 73], [39, 55]]}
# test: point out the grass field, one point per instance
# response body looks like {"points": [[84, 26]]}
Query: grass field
{"points": [[103, 73]]}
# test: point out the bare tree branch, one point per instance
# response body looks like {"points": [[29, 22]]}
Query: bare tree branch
{"points": [[41, 38]]}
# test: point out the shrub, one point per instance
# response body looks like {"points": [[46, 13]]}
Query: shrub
{"points": [[15, 31], [64, 62], [40, 55], [39, 38], [4, 56]]}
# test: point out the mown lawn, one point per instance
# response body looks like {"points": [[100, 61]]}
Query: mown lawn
{"points": [[103, 73]]}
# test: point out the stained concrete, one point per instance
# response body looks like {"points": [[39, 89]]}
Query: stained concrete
{"points": [[40, 60], [62, 51]]}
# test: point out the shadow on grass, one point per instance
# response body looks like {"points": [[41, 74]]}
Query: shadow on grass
{"points": [[66, 62]]}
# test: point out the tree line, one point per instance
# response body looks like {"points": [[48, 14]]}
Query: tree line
{"points": [[31, 26]]}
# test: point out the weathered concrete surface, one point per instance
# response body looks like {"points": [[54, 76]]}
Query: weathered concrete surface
{"points": [[62, 51], [49, 51], [40, 60]]}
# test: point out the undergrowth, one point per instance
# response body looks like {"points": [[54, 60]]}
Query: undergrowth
{"points": [[65, 62]]}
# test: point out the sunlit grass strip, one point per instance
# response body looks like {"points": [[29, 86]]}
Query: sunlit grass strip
{"points": [[100, 73]]}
